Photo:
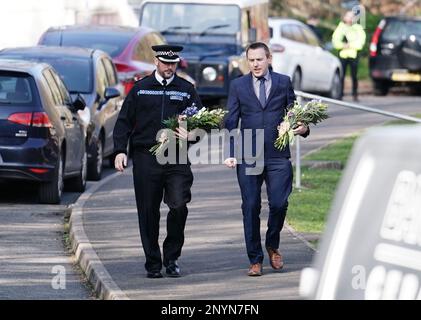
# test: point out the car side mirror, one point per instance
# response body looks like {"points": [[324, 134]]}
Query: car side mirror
{"points": [[79, 103], [110, 93]]}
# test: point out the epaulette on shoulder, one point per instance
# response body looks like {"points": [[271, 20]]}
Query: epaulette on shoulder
{"points": [[143, 79], [186, 81]]}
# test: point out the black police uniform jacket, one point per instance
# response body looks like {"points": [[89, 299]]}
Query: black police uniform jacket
{"points": [[146, 106]]}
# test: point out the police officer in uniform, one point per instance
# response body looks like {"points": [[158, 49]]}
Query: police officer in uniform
{"points": [[153, 99]]}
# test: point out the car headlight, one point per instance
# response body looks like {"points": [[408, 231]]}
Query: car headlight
{"points": [[209, 74]]}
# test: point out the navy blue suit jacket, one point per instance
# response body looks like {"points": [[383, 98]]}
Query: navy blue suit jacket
{"points": [[243, 104]]}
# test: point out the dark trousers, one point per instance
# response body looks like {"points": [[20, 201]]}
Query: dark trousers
{"points": [[353, 64], [154, 182], [277, 174]]}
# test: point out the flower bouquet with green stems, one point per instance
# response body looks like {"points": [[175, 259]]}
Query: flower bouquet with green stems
{"points": [[313, 112], [195, 119]]}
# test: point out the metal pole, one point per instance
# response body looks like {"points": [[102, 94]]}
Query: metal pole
{"points": [[357, 106], [298, 157]]}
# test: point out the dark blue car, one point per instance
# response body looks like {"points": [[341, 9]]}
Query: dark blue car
{"points": [[42, 137], [92, 74]]}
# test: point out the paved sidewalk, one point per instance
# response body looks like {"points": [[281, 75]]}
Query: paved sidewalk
{"points": [[213, 262], [32, 255]]}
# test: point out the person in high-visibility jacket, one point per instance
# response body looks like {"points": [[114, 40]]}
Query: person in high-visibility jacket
{"points": [[349, 39]]}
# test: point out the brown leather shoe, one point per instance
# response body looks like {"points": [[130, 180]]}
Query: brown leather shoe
{"points": [[255, 270], [275, 258]]}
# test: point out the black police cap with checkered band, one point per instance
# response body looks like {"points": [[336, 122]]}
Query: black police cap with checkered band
{"points": [[167, 53]]}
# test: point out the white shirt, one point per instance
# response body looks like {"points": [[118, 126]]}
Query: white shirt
{"points": [[160, 79]]}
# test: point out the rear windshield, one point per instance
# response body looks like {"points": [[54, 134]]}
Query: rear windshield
{"points": [[76, 73], [16, 88], [111, 43], [396, 30]]}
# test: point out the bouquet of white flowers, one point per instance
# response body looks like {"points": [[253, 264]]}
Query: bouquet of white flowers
{"points": [[195, 119], [313, 111]]}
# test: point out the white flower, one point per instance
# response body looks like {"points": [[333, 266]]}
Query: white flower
{"points": [[283, 128]]}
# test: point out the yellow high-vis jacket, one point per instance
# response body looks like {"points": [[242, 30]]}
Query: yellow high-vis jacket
{"points": [[354, 35]]}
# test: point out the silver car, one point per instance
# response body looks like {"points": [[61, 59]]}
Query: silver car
{"points": [[42, 137], [298, 53]]}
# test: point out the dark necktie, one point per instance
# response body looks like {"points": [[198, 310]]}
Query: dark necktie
{"points": [[262, 91], [164, 82]]}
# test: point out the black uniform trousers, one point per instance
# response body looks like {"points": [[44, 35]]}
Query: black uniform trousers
{"points": [[277, 174], [353, 64], [152, 183]]}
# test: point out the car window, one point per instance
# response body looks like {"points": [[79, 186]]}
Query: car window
{"points": [[155, 39], [112, 43], [55, 91], [297, 34], [311, 38], [50, 38], [292, 32], [76, 72], [15, 89], [111, 73], [102, 81], [62, 88], [286, 32], [396, 30], [143, 51]]}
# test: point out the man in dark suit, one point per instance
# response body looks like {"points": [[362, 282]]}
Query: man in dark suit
{"points": [[260, 99]]}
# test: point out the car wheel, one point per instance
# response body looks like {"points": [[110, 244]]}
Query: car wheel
{"points": [[336, 87], [296, 80], [380, 88], [409, 54], [78, 184], [95, 165], [50, 192], [415, 89]]}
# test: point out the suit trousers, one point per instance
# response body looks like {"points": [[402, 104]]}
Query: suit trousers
{"points": [[154, 182], [277, 174]]}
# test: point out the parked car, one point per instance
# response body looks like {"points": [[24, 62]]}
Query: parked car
{"points": [[92, 74], [42, 138], [298, 53], [130, 48], [214, 34], [395, 54]]}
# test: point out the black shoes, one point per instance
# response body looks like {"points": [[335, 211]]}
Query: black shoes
{"points": [[154, 274], [172, 270]]}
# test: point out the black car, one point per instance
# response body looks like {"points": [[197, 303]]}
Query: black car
{"points": [[42, 137], [92, 74], [395, 54]]}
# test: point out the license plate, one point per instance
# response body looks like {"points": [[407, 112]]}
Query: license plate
{"points": [[410, 77]]}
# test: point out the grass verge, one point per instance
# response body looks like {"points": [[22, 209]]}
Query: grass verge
{"points": [[308, 207]]}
